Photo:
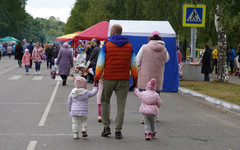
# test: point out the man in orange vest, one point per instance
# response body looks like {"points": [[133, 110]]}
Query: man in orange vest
{"points": [[115, 61]]}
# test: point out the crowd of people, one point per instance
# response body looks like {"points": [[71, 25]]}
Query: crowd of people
{"points": [[112, 66], [37, 52], [210, 61]]}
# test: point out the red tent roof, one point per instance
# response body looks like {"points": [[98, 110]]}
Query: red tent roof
{"points": [[98, 31]]}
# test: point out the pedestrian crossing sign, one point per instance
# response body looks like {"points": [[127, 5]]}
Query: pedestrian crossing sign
{"points": [[194, 15]]}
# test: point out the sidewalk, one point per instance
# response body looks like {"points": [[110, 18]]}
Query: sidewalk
{"points": [[232, 78], [214, 101]]}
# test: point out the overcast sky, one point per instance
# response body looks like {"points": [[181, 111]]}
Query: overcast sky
{"points": [[46, 8]]}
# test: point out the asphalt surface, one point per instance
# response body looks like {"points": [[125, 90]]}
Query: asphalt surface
{"points": [[184, 122]]}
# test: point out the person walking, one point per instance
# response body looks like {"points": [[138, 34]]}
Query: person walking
{"points": [[19, 53], [116, 59], [151, 101], [26, 60], [9, 50], [215, 59], [37, 54], [94, 56], [78, 105], [50, 55], [30, 47], [1, 50], [89, 48], [232, 58], [179, 55], [151, 60], [206, 62], [228, 53], [64, 62]]}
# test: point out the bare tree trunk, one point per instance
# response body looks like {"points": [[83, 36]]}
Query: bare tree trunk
{"points": [[222, 57]]}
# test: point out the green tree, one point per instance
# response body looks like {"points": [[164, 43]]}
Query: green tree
{"points": [[12, 16]]}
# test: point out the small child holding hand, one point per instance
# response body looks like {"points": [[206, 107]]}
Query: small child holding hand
{"points": [[151, 101], [78, 105]]}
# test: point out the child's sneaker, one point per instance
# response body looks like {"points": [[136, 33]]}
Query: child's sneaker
{"points": [[147, 136], [75, 136], [36, 72], [99, 119], [153, 134], [84, 134], [26, 73], [39, 72]]}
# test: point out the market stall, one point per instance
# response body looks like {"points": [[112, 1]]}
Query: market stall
{"points": [[138, 33]]}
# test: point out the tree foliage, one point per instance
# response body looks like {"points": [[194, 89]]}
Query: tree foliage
{"points": [[89, 12], [14, 21]]}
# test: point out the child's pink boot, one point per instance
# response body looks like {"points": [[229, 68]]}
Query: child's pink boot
{"points": [[147, 136]]}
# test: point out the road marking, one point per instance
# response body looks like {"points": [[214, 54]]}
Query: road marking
{"points": [[32, 145], [15, 77], [37, 78], [45, 114], [58, 78], [7, 70]]}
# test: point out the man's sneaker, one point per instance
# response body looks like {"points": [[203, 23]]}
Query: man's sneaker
{"points": [[75, 136], [84, 134], [153, 134], [106, 131], [147, 136], [99, 119], [118, 135]]}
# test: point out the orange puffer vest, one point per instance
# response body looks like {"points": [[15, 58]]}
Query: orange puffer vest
{"points": [[117, 61]]}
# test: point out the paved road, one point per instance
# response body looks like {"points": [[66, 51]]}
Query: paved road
{"points": [[34, 116]]}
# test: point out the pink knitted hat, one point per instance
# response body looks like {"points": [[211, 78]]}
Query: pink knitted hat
{"points": [[151, 85], [65, 44], [155, 33], [80, 82]]}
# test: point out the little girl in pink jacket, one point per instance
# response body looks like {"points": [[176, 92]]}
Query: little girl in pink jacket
{"points": [[99, 95], [26, 60], [151, 101]]}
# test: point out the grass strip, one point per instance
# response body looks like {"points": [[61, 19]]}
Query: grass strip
{"points": [[223, 91]]}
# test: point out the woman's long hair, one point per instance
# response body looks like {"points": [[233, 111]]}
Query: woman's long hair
{"points": [[19, 45]]}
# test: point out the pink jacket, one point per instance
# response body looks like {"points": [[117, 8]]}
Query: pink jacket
{"points": [[179, 55], [26, 59], [99, 93], [37, 54], [151, 60], [151, 101]]}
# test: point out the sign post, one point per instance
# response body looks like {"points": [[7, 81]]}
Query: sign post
{"points": [[194, 16]]}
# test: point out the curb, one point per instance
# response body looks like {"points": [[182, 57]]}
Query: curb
{"points": [[216, 102]]}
